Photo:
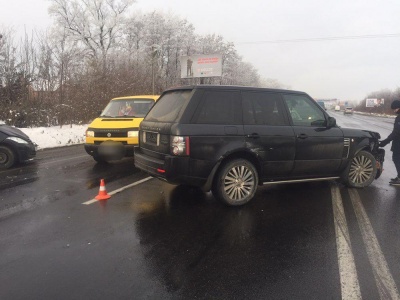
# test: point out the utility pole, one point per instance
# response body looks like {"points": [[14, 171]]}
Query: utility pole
{"points": [[154, 52], [152, 68]]}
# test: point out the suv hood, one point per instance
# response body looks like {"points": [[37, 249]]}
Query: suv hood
{"points": [[374, 134], [12, 131], [349, 132]]}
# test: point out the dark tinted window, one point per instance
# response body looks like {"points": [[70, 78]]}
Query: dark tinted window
{"points": [[219, 107], [304, 111], [260, 108], [169, 107]]}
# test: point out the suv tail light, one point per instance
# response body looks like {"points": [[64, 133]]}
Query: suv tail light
{"points": [[180, 145]]}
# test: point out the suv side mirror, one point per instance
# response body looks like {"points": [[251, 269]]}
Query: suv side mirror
{"points": [[331, 122]]}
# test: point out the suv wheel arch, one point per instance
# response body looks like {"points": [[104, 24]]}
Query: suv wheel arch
{"points": [[251, 157]]}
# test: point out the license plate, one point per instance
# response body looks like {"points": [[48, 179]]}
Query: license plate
{"points": [[110, 148], [152, 138]]}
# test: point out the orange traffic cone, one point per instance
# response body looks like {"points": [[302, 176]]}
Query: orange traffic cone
{"points": [[102, 192]]}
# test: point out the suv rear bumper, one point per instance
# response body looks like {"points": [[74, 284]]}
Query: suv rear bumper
{"points": [[173, 169]]}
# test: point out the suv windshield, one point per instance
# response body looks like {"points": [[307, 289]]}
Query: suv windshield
{"points": [[127, 108], [169, 106]]}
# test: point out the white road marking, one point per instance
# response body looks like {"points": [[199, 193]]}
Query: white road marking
{"points": [[119, 190], [384, 281], [350, 286]]}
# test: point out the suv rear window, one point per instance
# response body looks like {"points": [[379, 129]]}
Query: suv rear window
{"points": [[169, 107]]}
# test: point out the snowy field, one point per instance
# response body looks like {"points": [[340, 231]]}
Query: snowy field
{"points": [[51, 137]]}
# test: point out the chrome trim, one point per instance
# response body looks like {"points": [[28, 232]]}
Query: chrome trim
{"points": [[300, 180], [346, 143]]}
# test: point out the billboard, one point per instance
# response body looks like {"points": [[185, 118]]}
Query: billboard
{"points": [[201, 66], [374, 102]]}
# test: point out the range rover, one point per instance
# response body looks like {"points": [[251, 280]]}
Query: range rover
{"points": [[230, 139]]}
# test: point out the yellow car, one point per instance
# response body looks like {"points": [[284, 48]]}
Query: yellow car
{"points": [[114, 133]]}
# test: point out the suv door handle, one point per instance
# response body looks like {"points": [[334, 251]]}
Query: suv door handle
{"points": [[254, 135], [302, 136]]}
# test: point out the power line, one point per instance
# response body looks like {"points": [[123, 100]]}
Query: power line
{"points": [[322, 39]]}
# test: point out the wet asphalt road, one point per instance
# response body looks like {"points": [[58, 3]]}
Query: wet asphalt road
{"points": [[158, 241]]}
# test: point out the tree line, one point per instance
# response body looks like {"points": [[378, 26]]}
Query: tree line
{"points": [[96, 50], [99, 49]]}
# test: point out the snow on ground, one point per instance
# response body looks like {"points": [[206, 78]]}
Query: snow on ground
{"points": [[51, 137]]}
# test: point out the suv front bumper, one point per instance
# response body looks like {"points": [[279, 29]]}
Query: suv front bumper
{"points": [[380, 158]]}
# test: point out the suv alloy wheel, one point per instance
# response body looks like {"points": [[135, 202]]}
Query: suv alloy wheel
{"points": [[236, 182], [361, 171]]}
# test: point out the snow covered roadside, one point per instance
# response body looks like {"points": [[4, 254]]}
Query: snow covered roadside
{"points": [[51, 137]]}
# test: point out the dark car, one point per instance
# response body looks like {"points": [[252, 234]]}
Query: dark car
{"points": [[230, 139], [15, 146]]}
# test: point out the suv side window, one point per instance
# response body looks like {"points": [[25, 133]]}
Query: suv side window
{"points": [[261, 108], [219, 107], [303, 111]]}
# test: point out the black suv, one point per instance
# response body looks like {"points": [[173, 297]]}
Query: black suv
{"points": [[229, 139]]}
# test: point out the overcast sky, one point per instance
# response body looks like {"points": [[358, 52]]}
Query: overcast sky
{"points": [[314, 46]]}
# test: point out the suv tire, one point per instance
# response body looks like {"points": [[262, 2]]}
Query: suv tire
{"points": [[361, 171], [236, 182], [7, 157]]}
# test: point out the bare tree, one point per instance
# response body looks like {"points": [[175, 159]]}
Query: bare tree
{"points": [[95, 53], [95, 23]]}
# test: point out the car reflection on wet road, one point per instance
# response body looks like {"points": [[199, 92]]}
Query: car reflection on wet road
{"points": [[158, 241]]}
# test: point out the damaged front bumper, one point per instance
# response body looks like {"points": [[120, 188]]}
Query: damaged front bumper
{"points": [[380, 158]]}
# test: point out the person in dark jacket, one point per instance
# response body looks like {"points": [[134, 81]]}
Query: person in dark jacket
{"points": [[394, 137]]}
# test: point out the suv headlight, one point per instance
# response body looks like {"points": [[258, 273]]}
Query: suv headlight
{"points": [[17, 140], [133, 134], [89, 133]]}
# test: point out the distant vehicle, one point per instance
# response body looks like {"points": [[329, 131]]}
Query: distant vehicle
{"points": [[322, 104], [348, 111], [15, 146], [114, 133], [337, 108]]}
